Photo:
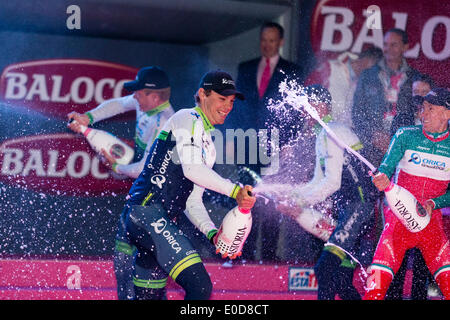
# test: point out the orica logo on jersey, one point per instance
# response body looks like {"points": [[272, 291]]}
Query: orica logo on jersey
{"points": [[425, 162], [159, 225], [159, 179], [160, 228], [415, 158]]}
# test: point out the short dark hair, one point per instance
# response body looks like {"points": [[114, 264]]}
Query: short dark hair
{"points": [[422, 77], [270, 24], [401, 33], [371, 52], [197, 98]]}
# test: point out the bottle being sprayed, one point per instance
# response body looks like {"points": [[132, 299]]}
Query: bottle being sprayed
{"points": [[233, 232], [100, 139]]}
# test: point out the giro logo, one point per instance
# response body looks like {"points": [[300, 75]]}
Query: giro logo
{"points": [[160, 228], [58, 164], [58, 86]]}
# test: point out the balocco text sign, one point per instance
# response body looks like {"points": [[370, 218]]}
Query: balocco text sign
{"points": [[58, 86], [337, 27]]}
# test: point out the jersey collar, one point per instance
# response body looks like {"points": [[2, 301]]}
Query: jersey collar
{"points": [[436, 137], [208, 126], [158, 109], [317, 127]]}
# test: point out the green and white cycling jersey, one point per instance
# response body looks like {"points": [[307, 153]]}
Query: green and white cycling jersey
{"points": [[179, 168]]}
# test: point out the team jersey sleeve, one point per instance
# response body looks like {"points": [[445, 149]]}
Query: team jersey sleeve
{"points": [[112, 107], [394, 154], [327, 182], [196, 211], [189, 132], [132, 170]]}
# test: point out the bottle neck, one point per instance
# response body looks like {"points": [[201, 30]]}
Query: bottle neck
{"points": [[389, 188], [244, 211], [85, 130]]}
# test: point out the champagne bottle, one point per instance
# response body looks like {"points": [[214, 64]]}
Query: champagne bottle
{"points": [[406, 207], [117, 149], [233, 232]]}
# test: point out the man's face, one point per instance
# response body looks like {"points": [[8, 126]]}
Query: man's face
{"points": [[393, 47], [420, 88], [434, 118], [146, 99], [215, 106], [270, 42]]}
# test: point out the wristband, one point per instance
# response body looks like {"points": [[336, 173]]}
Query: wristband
{"points": [[433, 202], [211, 235], [114, 166], [235, 191], [91, 118]]}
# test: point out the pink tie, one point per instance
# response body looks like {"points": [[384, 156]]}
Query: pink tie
{"points": [[264, 79]]}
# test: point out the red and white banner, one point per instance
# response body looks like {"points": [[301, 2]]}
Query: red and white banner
{"points": [[58, 164], [338, 26], [58, 86]]}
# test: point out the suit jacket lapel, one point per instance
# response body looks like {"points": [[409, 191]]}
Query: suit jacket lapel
{"points": [[254, 72]]}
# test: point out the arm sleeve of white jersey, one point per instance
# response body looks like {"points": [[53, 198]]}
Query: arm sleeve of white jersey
{"points": [[197, 213], [112, 107], [300, 191], [189, 147], [319, 189], [132, 170]]}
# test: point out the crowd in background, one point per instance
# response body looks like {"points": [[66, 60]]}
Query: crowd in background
{"points": [[374, 92]]}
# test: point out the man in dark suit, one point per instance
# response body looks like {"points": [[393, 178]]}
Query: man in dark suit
{"points": [[259, 78]]}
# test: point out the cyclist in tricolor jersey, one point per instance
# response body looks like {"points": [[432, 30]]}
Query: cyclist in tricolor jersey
{"points": [[420, 158]]}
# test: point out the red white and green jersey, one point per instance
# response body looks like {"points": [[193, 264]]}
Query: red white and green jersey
{"points": [[421, 163]]}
